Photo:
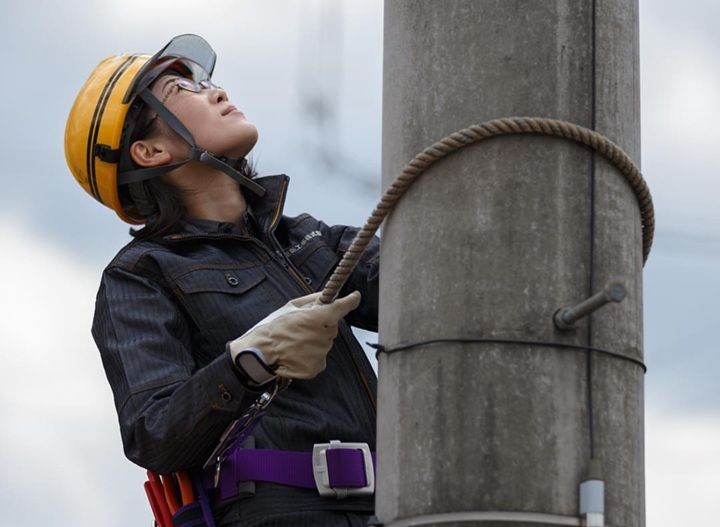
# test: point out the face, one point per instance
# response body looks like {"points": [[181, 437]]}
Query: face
{"points": [[215, 123]]}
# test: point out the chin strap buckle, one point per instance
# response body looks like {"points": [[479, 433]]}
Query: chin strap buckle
{"points": [[107, 153]]}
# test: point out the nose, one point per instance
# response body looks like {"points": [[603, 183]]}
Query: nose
{"points": [[218, 95]]}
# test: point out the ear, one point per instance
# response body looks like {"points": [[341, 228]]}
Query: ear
{"points": [[150, 153]]}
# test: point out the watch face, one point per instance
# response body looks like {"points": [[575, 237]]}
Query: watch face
{"points": [[252, 364]]}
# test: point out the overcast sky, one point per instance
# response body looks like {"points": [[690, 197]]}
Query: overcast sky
{"points": [[61, 460]]}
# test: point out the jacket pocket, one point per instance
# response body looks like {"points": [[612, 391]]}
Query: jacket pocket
{"points": [[230, 281], [225, 302], [316, 262]]}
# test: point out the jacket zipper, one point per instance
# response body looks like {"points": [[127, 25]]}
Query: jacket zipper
{"points": [[287, 264], [279, 257], [298, 278]]}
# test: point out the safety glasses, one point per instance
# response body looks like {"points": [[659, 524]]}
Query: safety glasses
{"points": [[182, 83], [195, 87], [189, 52]]}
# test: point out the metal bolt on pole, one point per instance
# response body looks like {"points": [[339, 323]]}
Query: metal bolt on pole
{"points": [[566, 317]]}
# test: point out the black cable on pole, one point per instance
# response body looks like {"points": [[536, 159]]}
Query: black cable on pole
{"points": [[591, 278], [409, 346]]}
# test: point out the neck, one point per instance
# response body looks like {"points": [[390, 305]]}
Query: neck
{"points": [[209, 194]]}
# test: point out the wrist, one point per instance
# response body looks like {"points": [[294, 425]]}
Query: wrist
{"points": [[251, 367]]}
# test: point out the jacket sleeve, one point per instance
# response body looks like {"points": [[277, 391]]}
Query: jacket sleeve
{"points": [[171, 413], [365, 278]]}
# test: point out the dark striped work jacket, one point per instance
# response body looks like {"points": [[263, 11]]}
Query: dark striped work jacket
{"points": [[165, 310]]}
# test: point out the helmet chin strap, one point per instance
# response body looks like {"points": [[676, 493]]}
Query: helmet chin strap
{"points": [[229, 165]]}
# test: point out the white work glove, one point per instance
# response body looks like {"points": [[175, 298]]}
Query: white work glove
{"points": [[296, 338]]}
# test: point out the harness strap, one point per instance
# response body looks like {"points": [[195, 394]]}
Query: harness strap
{"points": [[346, 468]]}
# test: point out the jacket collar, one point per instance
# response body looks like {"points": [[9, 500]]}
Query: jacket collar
{"points": [[268, 209], [262, 215]]}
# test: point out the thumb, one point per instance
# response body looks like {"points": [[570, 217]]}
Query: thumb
{"points": [[342, 306]]}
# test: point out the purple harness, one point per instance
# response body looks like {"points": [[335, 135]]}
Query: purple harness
{"points": [[335, 469]]}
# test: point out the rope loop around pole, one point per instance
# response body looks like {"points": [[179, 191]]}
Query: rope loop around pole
{"points": [[474, 134]]}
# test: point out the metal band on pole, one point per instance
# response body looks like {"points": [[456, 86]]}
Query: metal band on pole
{"points": [[486, 516]]}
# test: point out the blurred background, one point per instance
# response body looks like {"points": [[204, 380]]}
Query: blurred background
{"points": [[308, 73]]}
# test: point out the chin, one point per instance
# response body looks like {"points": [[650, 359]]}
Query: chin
{"points": [[245, 141], [240, 147], [242, 150]]}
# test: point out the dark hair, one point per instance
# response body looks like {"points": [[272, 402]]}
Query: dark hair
{"points": [[160, 203]]}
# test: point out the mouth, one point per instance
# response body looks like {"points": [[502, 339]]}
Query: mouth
{"points": [[229, 110]]}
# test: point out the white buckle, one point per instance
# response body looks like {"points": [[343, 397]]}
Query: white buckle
{"points": [[322, 478]]}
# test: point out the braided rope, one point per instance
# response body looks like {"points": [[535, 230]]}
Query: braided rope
{"points": [[474, 134]]}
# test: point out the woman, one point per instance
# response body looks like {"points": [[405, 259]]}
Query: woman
{"points": [[213, 301]]}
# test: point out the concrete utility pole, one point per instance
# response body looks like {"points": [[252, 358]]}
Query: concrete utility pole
{"points": [[489, 244]]}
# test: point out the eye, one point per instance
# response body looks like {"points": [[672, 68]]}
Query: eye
{"points": [[187, 84], [172, 88]]}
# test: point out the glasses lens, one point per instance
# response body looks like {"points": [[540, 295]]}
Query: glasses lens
{"points": [[209, 85], [187, 84]]}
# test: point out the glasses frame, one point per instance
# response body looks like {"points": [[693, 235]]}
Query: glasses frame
{"points": [[195, 87], [182, 83]]}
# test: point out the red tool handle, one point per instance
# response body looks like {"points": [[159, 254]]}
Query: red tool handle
{"points": [[186, 488], [162, 517], [168, 483], [153, 504]]}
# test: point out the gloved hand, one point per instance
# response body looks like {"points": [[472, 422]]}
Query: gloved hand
{"points": [[297, 337]]}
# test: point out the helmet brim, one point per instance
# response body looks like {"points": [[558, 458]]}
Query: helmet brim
{"points": [[191, 51]]}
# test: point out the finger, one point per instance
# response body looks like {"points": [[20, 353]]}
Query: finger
{"points": [[342, 306], [290, 373], [305, 300], [336, 310], [318, 367]]}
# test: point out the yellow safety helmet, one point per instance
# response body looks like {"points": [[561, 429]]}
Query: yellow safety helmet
{"points": [[97, 118], [105, 114]]}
